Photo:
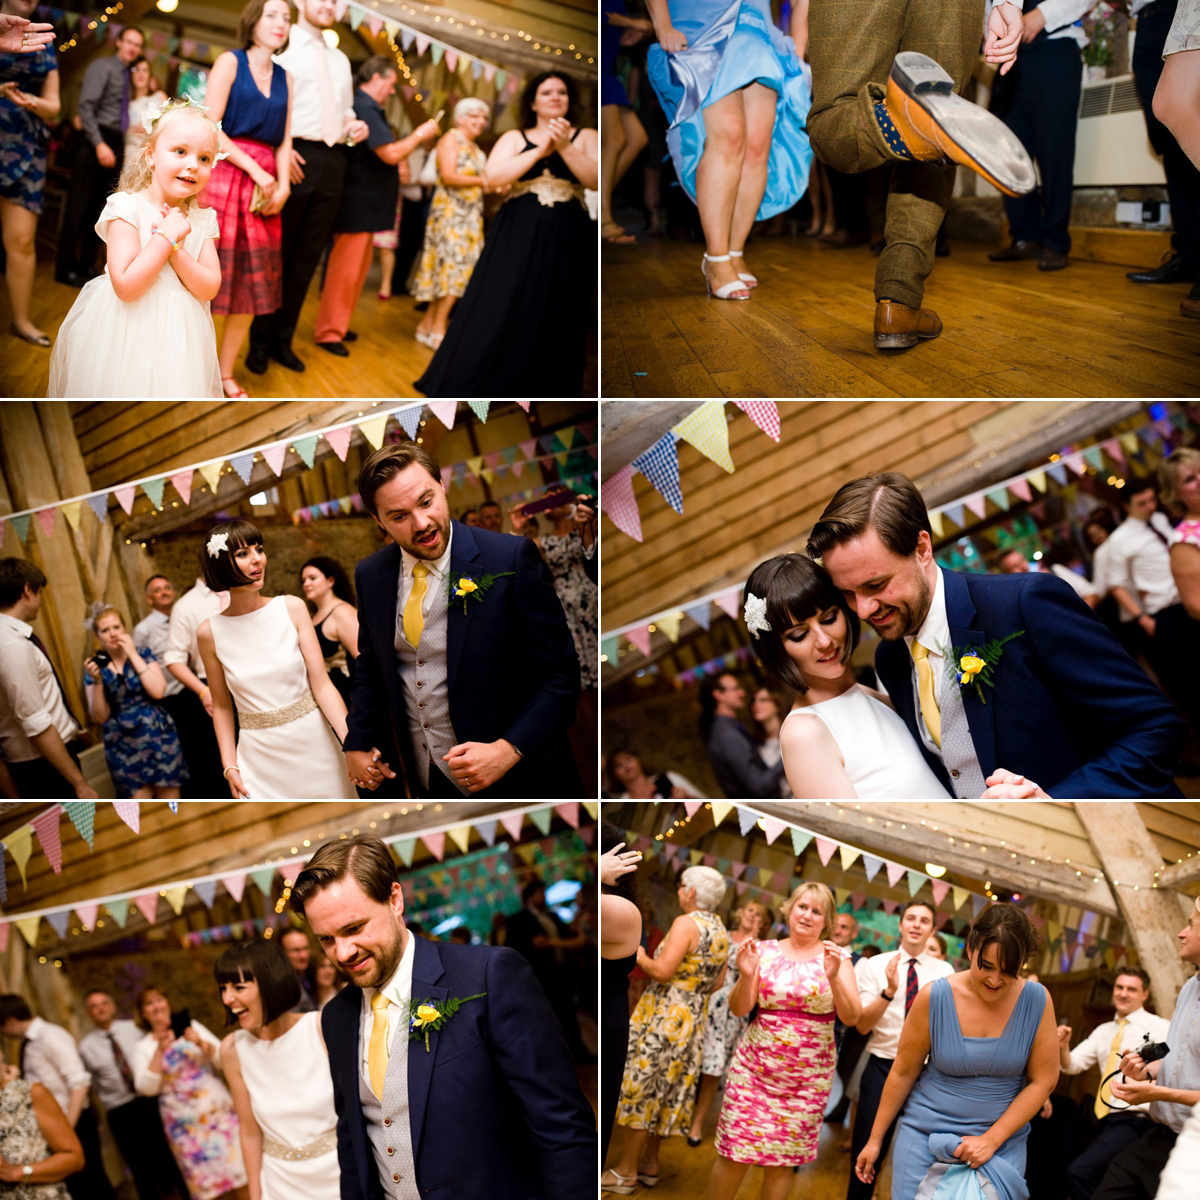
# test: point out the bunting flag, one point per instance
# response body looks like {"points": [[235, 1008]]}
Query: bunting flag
{"points": [[147, 905], [660, 466], [339, 439], [71, 510], [373, 430], [705, 428], [46, 825], [541, 818], [435, 843], [764, 414], [211, 474], [460, 835], [118, 910], [444, 410], [19, 844], [87, 914], [125, 496], [243, 464], [306, 447], [405, 848], [207, 891], [29, 929], [175, 897], [617, 500], [154, 489], [181, 481], [235, 885], [130, 812]]}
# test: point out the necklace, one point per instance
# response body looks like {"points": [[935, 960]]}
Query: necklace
{"points": [[261, 78]]}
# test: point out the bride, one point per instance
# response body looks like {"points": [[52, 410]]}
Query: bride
{"points": [[265, 653], [840, 741]]}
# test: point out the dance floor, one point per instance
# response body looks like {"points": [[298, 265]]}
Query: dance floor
{"points": [[384, 361], [1010, 330]]}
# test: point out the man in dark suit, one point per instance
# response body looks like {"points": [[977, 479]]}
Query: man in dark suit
{"points": [[1060, 702], [463, 646], [481, 1103]]}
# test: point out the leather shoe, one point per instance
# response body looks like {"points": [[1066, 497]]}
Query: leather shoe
{"points": [[1172, 270], [1190, 304], [256, 359], [70, 278], [349, 336], [335, 348], [286, 356], [1051, 260], [1017, 252], [898, 326]]}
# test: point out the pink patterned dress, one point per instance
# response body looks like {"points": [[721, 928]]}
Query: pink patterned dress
{"points": [[782, 1071]]}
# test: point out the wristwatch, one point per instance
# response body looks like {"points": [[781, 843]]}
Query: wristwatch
{"points": [[888, 998]]}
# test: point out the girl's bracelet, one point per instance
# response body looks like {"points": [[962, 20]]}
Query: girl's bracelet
{"points": [[174, 243], [225, 772]]}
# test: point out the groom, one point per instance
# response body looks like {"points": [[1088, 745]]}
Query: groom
{"points": [[1060, 701], [463, 646], [484, 1103]]}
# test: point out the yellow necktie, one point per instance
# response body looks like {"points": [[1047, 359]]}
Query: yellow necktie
{"points": [[926, 694], [1114, 1056], [377, 1048], [414, 620]]}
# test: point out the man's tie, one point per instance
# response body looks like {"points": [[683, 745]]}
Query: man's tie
{"points": [[1158, 533], [21, 1056], [911, 987], [331, 123], [377, 1048], [122, 1063], [414, 619], [1104, 1095], [926, 693]]}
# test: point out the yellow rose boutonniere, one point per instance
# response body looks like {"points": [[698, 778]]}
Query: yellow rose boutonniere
{"points": [[974, 666], [464, 587], [428, 1016]]}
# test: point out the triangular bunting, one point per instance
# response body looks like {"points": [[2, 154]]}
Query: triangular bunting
{"points": [[273, 456], [940, 891], [640, 638], [617, 500], [772, 827], [700, 613], [405, 848], [29, 929], [847, 854], [669, 624], [154, 489], [660, 466], [87, 914], [118, 910], [339, 439], [181, 481], [915, 881], [19, 844], [235, 885], [45, 518], [99, 505], [264, 880], [46, 825], [125, 497], [207, 891], [306, 447], [243, 464], [212, 476], [800, 840], [444, 410], [720, 810], [542, 817], [871, 865], [58, 921], [147, 905], [486, 830], [130, 812], [746, 820], [479, 407], [175, 896], [825, 849], [436, 844], [512, 823], [71, 511], [569, 812], [373, 429], [961, 896], [895, 873], [460, 835], [764, 414], [707, 430]]}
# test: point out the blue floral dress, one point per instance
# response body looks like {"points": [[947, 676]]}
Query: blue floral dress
{"points": [[23, 136], [141, 744]]}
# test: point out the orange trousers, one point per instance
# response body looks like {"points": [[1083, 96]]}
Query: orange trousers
{"points": [[345, 274]]}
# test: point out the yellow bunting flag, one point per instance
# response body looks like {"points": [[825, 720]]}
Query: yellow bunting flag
{"points": [[1053, 931], [460, 835], [961, 896], [720, 810], [935, 523], [593, 807], [841, 895], [175, 897], [212, 475], [1038, 479], [19, 845], [488, 474], [29, 928], [847, 854], [475, 465], [373, 430], [669, 624], [1129, 441], [526, 852], [696, 857], [71, 512], [707, 431], [765, 875]]}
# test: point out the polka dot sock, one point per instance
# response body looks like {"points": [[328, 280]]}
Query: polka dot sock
{"points": [[891, 134]]}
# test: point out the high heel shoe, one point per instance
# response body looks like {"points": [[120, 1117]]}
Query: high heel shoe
{"points": [[727, 291], [41, 339], [749, 280]]}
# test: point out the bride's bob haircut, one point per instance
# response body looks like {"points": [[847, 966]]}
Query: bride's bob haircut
{"points": [[265, 963], [220, 571], [794, 589]]}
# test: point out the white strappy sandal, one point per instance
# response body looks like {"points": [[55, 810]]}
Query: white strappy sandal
{"points": [[727, 291], [749, 280]]}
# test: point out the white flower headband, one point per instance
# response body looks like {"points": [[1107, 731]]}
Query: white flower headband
{"points": [[155, 112], [755, 615], [217, 543]]}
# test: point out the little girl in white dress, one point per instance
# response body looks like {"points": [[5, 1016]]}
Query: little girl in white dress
{"points": [[143, 328]]}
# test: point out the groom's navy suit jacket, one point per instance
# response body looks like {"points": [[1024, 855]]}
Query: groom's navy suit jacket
{"points": [[1069, 708], [511, 666], [495, 1108]]}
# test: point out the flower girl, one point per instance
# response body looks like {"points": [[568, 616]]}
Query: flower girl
{"points": [[143, 328]]}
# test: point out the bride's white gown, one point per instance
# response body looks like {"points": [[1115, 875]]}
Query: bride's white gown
{"points": [[265, 671]]}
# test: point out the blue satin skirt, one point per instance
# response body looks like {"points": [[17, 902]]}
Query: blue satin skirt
{"points": [[731, 45]]}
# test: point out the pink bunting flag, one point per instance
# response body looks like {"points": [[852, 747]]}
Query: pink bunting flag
{"points": [[339, 9], [857, 900], [692, 807], [3, 937], [569, 813], [525, 404], [764, 413], [130, 812], [436, 842], [447, 477], [940, 889], [274, 456], [181, 481], [451, 57], [825, 849], [125, 497], [890, 906], [46, 825], [422, 46], [444, 410], [529, 448], [640, 638], [1020, 487], [1075, 462], [773, 827], [617, 499], [710, 860], [730, 602], [147, 905], [45, 518], [739, 869], [235, 885], [87, 914], [895, 873], [512, 823], [339, 439], [375, 24]]}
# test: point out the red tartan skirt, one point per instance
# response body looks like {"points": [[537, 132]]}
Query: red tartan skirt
{"points": [[249, 247]]}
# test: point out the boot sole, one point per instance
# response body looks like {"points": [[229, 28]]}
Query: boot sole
{"points": [[901, 341], [922, 92]]}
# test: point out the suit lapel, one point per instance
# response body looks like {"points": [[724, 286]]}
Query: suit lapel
{"points": [[383, 631], [963, 619], [427, 970], [464, 560], [346, 1056]]}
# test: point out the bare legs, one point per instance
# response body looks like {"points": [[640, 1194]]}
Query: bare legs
{"points": [[727, 1177], [437, 315], [1177, 100], [622, 140], [20, 228], [387, 266], [639, 1152], [237, 325], [708, 1093]]}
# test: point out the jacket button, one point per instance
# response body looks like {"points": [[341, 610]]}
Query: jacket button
{"points": [[387, 1120], [954, 774]]}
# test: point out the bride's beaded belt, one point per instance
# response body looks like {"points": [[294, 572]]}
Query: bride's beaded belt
{"points": [[278, 716], [273, 1149], [549, 189]]}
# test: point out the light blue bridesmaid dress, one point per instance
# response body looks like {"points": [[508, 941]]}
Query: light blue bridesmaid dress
{"points": [[965, 1087], [730, 45]]}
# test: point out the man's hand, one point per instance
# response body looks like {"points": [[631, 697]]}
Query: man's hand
{"points": [[1132, 1066], [366, 768], [617, 862], [296, 174], [1003, 36], [358, 131], [892, 971], [477, 765], [1064, 1036], [1138, 1092], [1005, 785], [1032, 25], [1147, 623], [104, 155], [1047, 1110]]}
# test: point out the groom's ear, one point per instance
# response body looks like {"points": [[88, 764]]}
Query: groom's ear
{"points": [[396, 899], [924, 548]]}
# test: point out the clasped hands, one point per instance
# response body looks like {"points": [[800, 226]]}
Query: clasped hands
{"points": [[1006, 785], [476, 765]]}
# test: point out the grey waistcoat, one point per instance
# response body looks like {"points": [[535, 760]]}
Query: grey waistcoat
{"points": [[958, 749], [387, 1121]]}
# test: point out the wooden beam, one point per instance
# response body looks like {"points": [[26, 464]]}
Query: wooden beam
{"points": [[630, 427], [1151, 915], [1178, 875]]}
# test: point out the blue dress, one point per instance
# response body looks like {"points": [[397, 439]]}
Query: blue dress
{"points": [[23, 135], [731, 45], [612, 90], [964, 1089]]}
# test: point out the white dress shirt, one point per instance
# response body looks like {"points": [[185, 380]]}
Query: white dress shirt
{"points": [[189, 612], [873, 982], [437, 582], [30, 698], [1138, 560], [97, 1053], [1094, 1049], [300, 62], [398, 990], [934, 635], [52, 1059], [153, 634]]}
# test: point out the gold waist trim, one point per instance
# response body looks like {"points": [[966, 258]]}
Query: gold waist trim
{"points": [[273, 1149], [278, 716], [549, 189]]}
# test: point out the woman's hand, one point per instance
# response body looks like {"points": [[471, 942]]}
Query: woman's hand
{"points": [[560, 137], [517, 517], [277, 199], [93, 670], [206, 1047], [747, 957], [614, 864], [671, 40], [20, 36], [265, 181], [10, 91], [237, 789], [9, 1072], [126, 644], [832, 961], [165, 1038], [975, 1151], [864, 1168]]}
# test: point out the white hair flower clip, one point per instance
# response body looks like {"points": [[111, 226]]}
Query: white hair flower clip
{"points": [[152, 113], [217, 543], [755, 615]]}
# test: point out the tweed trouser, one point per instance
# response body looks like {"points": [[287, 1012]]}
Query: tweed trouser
{"points": [[852, 44]]}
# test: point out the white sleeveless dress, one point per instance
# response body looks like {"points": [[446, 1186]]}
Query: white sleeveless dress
{"points": [[882, 760], [291, 1094], [265, 671]]}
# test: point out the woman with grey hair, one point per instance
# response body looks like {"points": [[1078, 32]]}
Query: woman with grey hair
{"points": [[454, 229], [666, 1031]]}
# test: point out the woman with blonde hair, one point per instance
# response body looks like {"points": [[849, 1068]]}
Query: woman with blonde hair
{"points": [[1179, 491]]}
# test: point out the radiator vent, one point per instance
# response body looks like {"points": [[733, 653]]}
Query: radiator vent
{"points": [[1112, 96]]}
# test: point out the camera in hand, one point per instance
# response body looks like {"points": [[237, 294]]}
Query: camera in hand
{"points": [[1152, 1051], [557, 499], [102, 658], [180, 1022]]}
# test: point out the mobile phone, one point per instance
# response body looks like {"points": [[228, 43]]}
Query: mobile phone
{"points": [[180, 1022]]}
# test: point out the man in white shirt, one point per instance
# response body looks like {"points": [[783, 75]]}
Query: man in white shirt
{"points": [[133, 1120], [39, 738], [48, 1055], [1103, 1047], [323, 122], [887, 986]]}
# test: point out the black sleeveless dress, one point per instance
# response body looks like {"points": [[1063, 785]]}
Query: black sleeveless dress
{"points": [[521, 327], [614, 1039], [338, 663]]}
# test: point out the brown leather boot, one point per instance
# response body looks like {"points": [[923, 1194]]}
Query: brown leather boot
{"points": [[898, 326]]}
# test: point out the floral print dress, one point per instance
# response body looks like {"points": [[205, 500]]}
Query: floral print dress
{"points": [[22, 1143], [722, 1030], [565, 557], [666, 1034], [453, 230]]}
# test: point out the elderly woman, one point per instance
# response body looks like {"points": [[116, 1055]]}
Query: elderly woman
{"points": [[454, 228], [782, 1071], [28, 107], [666, 1031], [723, 1028], [38, 1147]]}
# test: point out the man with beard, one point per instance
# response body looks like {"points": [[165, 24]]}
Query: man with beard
{"points": [[450, 1074], [1001, 679]]}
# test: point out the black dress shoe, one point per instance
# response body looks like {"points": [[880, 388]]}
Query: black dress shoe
{"points": [[287, 357], [70, 278], [335, 348], [1173, 270], [256, 359], [349, 336], [1017, 252], [1051, 260]]}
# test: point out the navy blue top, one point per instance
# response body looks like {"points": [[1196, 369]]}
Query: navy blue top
{"points": [[372, 187], [250, 114]]}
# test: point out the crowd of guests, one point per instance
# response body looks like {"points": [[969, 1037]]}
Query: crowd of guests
{"points": [[303, 161]]}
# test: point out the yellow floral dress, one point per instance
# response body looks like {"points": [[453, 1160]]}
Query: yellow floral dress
{"points": [[666, 1036], [453, 230]]}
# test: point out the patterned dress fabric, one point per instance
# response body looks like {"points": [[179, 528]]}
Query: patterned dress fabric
{"points": [[1187, 532], [23, 136], [141, 744], [453, 230], [722, 1030], [1185, 29], [782, 1071], [21, 1142], [666, 1034], [202, 1128], [579, 595]]}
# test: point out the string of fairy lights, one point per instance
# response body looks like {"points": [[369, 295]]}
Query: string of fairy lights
{"points": [[102, 19]]}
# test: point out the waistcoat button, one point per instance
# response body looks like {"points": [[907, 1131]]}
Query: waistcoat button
{"points": [[390, 1150], [387, 1120], [954, 774], [395, 1178]]}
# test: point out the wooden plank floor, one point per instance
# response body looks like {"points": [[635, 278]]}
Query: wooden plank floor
{"points": [[1010, 330]]}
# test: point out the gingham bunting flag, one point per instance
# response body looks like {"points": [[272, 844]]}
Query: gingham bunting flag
{"points": [[46, 824], [660, 465], [707, 430], [640, 638], [764, 413], [154, 489], [339, 439], [410, 420], [306, 447], [125, 497], [45, 518], [699, 613], [181, 481], [445, 411], [616, 499], [99, 505], [243, 464], [274, 456]]}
